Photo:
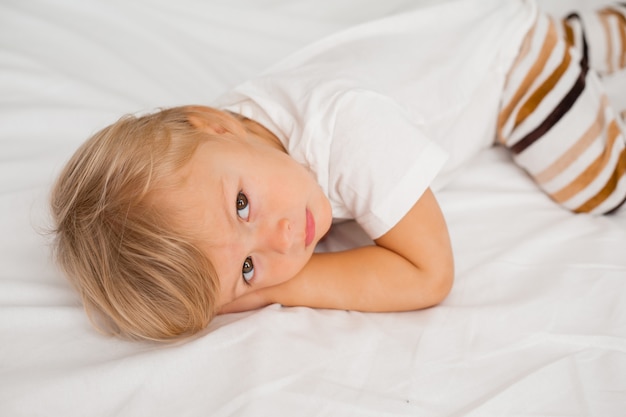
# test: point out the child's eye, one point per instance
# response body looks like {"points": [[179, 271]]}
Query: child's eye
{"points": [[243, 209], [247, 271]]}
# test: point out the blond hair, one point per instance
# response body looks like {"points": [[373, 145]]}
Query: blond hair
{"points": [[138, 276]]}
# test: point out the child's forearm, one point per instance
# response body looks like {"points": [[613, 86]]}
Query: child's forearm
{"points": [[385, 282], [370, 278], [411, 267]]}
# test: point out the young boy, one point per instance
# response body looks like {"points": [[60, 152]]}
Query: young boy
{"points": [[167, 219]]}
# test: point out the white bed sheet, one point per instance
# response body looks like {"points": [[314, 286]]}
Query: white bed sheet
{"points": [[535, 324]]}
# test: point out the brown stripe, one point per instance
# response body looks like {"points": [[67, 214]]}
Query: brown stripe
{"points": [[606, 26], [542, 91], [591, 172], [569, 33], [553, 118], [530, 77], [621, 25], [574, 152], [608, 188]]}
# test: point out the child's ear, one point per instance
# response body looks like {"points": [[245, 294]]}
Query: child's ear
{"points": [[213, 121]]}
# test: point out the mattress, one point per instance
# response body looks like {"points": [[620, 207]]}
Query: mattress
{"points": [[535, 324]]}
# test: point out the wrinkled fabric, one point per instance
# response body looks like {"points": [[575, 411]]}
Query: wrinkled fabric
{"points": [[535, 324]]}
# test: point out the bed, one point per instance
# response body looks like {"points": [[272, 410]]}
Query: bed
{"points": [[534, 326]]}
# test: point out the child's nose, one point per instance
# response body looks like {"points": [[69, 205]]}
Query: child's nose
{"points": [[278, 236]]}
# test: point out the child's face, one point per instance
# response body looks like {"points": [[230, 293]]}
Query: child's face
{"points": [[259, 213]]}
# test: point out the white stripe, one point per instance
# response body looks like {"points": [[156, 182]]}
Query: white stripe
{"points": [[569, 174], [561, 138], [593, 151]]}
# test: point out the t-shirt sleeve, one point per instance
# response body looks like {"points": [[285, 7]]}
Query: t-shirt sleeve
{"points": [[381, 162]]}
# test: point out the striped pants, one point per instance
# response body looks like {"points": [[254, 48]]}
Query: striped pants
{"points": [[555, 117]]}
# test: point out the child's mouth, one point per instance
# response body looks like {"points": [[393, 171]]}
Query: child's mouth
{"points": [[310, 228]]}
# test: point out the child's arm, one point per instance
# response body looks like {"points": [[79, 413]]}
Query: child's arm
{"points": [[411, 267]]}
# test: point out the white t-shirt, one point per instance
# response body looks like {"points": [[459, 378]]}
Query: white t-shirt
{"points": [[378, 111]]}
